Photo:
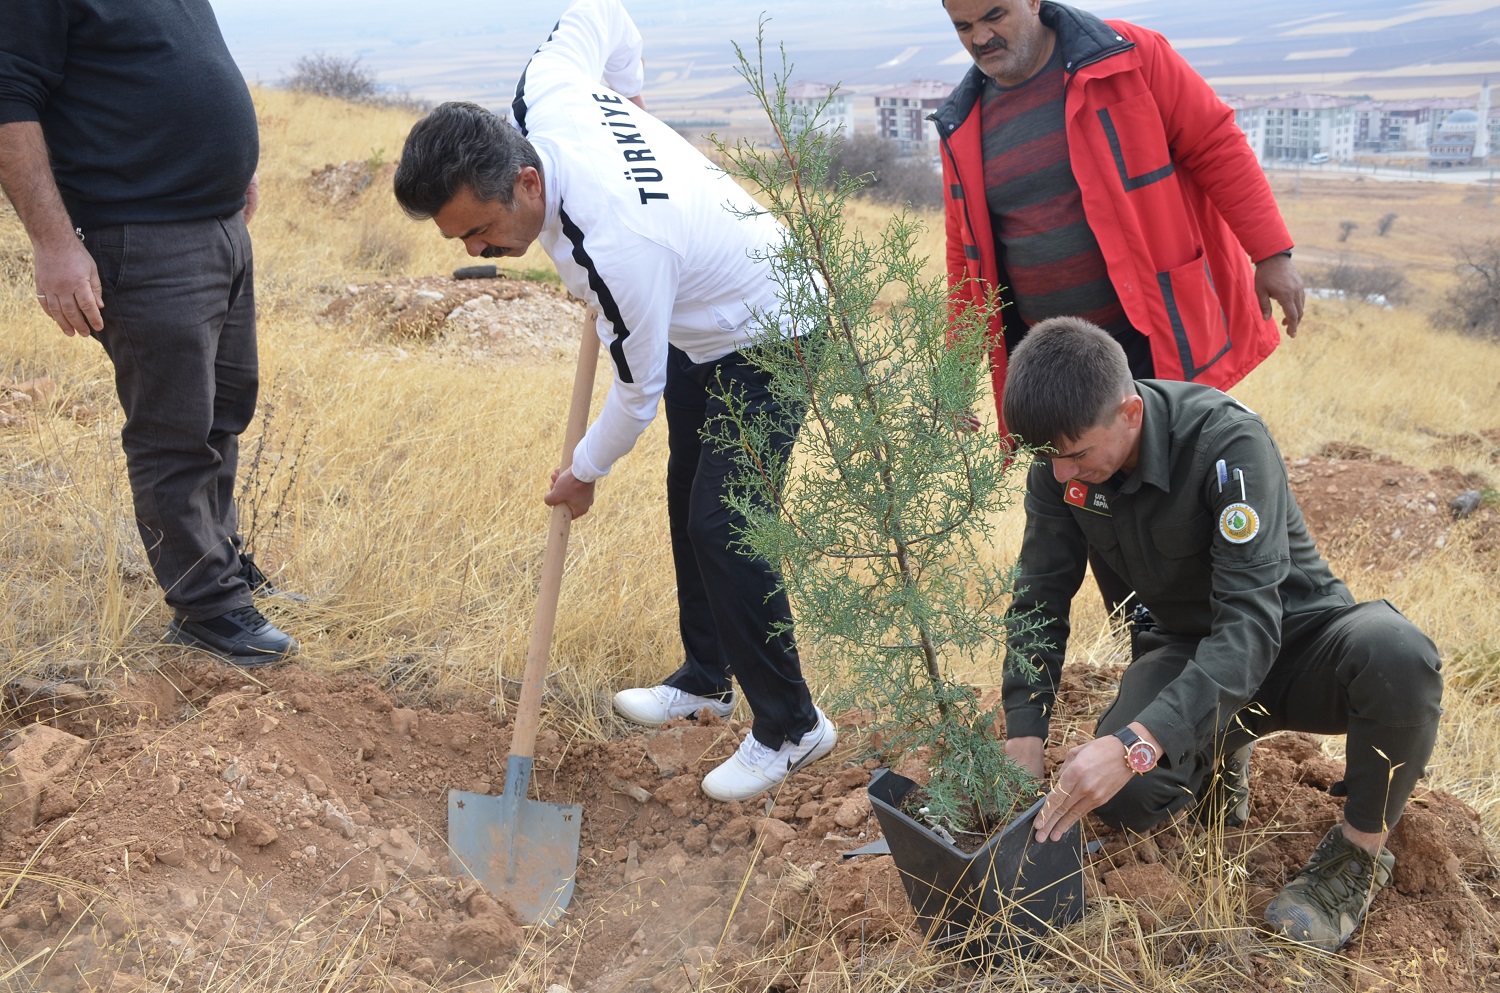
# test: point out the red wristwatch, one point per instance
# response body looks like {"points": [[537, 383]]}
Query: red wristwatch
{"points": [[1140, 754]]}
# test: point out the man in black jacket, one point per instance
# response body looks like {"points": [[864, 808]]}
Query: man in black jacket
{"points": [[128, 146]]}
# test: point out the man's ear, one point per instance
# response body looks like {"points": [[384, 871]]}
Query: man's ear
{"points": [[1133, 409], [529, 181]]}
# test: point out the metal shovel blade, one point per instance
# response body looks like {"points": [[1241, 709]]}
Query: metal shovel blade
{"points": [[524, 852]]}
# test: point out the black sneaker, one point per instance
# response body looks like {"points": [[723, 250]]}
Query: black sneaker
{"points": [[260, 584], [242, 637], [1325, 902], [1227, 798]]}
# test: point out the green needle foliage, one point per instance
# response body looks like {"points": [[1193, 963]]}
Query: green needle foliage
{"points": [[879, 530]]}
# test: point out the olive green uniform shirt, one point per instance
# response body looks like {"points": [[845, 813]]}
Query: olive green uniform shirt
{"points": [[1206, 530]]}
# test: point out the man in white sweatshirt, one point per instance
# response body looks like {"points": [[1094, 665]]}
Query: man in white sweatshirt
{"points": [[665, 245]]}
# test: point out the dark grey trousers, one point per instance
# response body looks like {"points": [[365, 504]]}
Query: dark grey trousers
{"points": [[1363, 671], [179, 326], [727, 603]]}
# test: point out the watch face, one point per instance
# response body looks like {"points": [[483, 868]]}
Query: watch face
{"points": [[1141, 756]]}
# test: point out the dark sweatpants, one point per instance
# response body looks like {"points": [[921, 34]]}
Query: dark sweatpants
{"points": [[179, 326], [1363, 671], [727, 603]]}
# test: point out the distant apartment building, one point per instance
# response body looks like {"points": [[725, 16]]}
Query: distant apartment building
{"points": [[1319, 128], [1395, 125], [1250, 115], [1307, 127], [806, 101], [901, 115]]}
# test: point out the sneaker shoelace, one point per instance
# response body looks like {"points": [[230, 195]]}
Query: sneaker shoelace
{"points": [[671, 696], [758, 755], [249, 618]]}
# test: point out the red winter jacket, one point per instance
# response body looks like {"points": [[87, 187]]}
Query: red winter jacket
{"points": [[1171, 189]]}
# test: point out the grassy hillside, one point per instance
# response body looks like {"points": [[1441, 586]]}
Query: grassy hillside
{"points": [[400, 485], [402, 488]]}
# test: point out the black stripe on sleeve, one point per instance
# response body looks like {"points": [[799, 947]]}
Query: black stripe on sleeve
{"points": [[607, 305], [518, 105]]}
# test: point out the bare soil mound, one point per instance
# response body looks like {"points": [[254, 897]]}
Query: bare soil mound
{"points": [[191, 824], [340, 184], [1381, 515], [499, 318]]}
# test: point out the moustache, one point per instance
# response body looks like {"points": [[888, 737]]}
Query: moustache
{"points": [[991, 47], [491, 252]]}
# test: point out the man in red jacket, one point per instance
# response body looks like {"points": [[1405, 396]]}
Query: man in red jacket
{"points": [[1088, 171]]}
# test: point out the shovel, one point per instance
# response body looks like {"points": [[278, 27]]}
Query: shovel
{"points": [[524, 851]]}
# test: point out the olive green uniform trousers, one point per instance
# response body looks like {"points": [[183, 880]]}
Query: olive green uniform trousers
{"points": [[1365, 671]]}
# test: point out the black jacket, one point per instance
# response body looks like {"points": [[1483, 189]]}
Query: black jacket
{"points": [[146, 116]]}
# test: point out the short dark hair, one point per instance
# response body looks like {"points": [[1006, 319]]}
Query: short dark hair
{"points": [[460, 145], [1065, 377]]}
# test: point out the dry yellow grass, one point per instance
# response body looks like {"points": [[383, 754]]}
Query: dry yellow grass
{"points": [[1431, 220], [413, 511], [409, 485]]}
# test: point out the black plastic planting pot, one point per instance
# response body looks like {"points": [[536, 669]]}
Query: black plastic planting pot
{"points": [[1001, 897]]}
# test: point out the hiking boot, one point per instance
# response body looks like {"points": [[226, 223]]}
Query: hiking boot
{"points": [[1327, 900], [755, 768], [260, 584], [1228, 797], [652, 706], [242, 637]]}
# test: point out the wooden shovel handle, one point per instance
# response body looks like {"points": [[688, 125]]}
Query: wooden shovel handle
{"points": [[529, 709]]}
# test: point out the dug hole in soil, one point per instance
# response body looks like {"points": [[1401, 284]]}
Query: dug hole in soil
{"points": [[188, 822]]}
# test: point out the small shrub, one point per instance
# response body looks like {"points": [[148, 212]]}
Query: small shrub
{"points": [[268, 477], [889, 178], [1362, 282], [1345, 227], [343, 78], [1473, 306], [337, 76], [1383, 226]]}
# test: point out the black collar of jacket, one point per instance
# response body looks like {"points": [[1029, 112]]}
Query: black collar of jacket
{"points": [[1083, 38]]}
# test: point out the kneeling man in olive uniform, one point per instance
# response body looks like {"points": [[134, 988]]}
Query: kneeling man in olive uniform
{"points": [[1183, 492]]}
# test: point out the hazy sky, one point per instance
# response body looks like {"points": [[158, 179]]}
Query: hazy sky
{"points": [[475, 48], [396, 35]]}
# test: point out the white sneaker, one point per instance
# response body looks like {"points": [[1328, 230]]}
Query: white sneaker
{"points": [[754, 768], [652, 706]]}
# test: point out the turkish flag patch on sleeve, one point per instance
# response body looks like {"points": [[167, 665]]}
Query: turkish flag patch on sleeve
{"points": [[1075, 493]]}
